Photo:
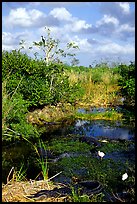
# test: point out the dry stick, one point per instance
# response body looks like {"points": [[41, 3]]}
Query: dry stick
{"points": [[28, 198], [6, 199], [118, 198], [24, 188], [51, 177], [9, 174], [54, 176], [16, 88], [13, 131], [38, 175]]}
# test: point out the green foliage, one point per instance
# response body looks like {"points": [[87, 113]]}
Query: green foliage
{"points": [[52, 51], [41, 84], [16, 63], [107, 171], [43, 163], [20, 175], [76, 197], [98, 198], [14, 123], [107, 115], [40, 161], [127, 83], [62, 146]]}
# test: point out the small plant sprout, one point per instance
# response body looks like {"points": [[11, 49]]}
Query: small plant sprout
{"points": [[124, 176], [101, 154]]}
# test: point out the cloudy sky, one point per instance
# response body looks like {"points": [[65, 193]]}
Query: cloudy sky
{"points": [[104, 31]]}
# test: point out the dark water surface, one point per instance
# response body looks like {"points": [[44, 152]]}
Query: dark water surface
{"points": [[112, 130], [16, 154], [103, 128], [98, 110]]}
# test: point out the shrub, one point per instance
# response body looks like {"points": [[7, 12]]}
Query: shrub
{"points": [[127, 83], [14, 123], [41, 84]]}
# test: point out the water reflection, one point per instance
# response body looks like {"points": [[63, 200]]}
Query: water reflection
{"points": [[98, 110], [100, 128]]}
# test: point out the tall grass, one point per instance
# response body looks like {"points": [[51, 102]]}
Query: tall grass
{"points": [[100, 85], [40, 160], [43, 163], [76, 197], [14, 111], [18, 175], [8, 103]]}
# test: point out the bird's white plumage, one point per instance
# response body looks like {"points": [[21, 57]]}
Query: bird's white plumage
{"points": [[101, 154], [124, 176]]}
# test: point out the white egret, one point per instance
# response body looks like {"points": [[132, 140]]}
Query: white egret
{"points": [[101, 154], [124, 176]]}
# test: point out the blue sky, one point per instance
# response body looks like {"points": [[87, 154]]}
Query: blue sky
{"points": [[104, 31]]}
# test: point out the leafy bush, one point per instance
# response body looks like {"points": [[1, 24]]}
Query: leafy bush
{"points": [[41, 84], [14, 123], [127, 83]]}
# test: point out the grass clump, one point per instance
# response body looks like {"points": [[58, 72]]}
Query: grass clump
{"points": [[107, 115], [76, 197], [66, 145]]}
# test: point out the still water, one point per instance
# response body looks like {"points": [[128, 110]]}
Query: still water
{"points": [[16, 154], [113, 130], [102, 128]]}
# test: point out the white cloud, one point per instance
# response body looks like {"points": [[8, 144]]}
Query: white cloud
{"points": [[120, 10], [83, 43], [23, 18], [54, 4], [110, 26], [61, 14], [108, 19], [114, 48], [125, 7], [116, 23], [126, 28], [125, 31], [11, 40], [78, 25], [8, 38], [74, 24], [28, 18]]}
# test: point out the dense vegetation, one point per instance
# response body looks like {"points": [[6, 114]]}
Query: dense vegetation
{"points": [[127, 83], [29, 83], [37, 90]]}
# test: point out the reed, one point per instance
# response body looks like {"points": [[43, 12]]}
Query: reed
{"points": [[41, 160], [76, 197]]}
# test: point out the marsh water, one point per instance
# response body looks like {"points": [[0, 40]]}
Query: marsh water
{"points": [[112, 130], [100, 129], [103, 129]]}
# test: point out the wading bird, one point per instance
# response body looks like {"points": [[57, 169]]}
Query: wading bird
{"points": [[101, 154], [124, 176]]}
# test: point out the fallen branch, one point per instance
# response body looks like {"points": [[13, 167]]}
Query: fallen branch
{"points": [[54, 176], [9, 174], [49, 178]]}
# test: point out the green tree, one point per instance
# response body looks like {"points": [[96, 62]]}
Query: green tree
{"points": [[74, 62], [127, 83], [51, 48]]}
